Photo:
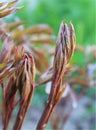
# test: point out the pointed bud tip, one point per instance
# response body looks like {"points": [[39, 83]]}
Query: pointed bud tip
{"points": [[71, 27]]}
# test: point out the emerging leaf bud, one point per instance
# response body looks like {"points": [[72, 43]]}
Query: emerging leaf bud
{"points": [[64, 50], [25, 85]]}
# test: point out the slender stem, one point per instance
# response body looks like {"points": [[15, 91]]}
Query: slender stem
{"points": [[22, 111], [3, 101], [45, 116]]}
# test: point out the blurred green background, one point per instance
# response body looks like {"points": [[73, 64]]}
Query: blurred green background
{"points": [[82, 13]]}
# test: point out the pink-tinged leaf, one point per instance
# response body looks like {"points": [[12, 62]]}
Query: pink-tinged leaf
{"points": [[9, 11], [6, 50]]}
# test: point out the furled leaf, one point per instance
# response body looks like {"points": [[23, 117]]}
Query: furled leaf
{"points": [[37, 29], [6, 8], [9, 101], [14, 25], [64, 50], [41, 61], [6, 50], [26, 88]]}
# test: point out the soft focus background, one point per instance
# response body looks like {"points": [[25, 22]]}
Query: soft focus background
{"points": [[82, 13]]}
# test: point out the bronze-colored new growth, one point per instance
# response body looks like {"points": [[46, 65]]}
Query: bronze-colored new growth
{"points": [[64, 50]]}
